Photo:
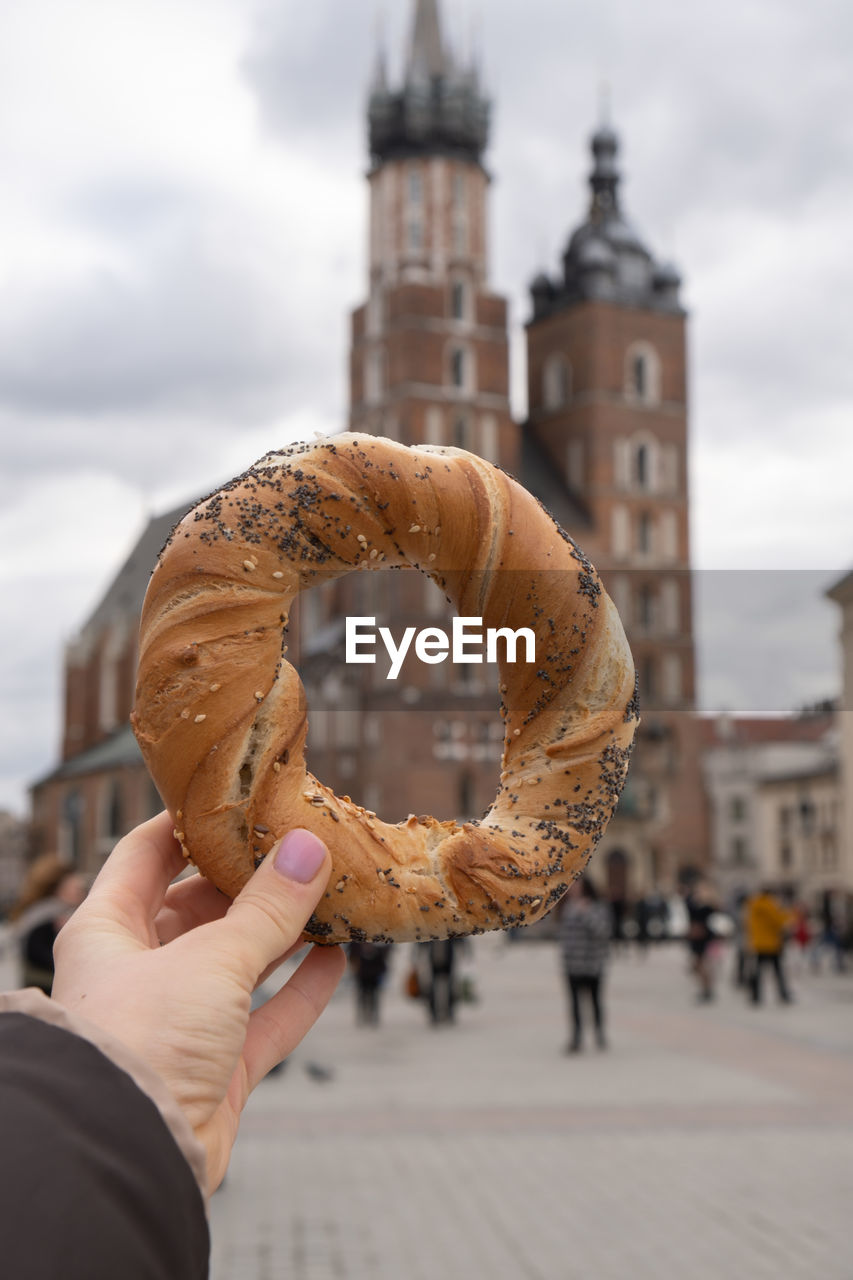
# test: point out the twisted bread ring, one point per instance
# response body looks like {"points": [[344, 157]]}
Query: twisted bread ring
{"points": [[221, 716]]}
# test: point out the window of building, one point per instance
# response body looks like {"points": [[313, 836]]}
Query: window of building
{"points": [[462, 432], [807, 815], [461, 369], [739, 851], [642, 373], [639, 376], [786, 857], [416, 187], [737, 808], [645, 532], [556, 382], [416, 235], [642, 467], [459, 300]]}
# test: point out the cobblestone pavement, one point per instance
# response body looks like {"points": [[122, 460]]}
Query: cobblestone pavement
{"points": [[706, 1141]]}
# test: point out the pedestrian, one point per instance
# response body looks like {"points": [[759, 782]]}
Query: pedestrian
{"points": [[741, 974], [767, 926], [51, 891], [120, 1096], [441, 990], [801, 933], [584, 942], [369, 963], [700, 908]]}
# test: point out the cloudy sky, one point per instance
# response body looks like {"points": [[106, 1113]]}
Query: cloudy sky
{"points": [[182, 233]]}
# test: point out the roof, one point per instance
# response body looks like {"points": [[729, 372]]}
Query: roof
{"points": [[438, 110], [842, 590], [606, 258], [126, 592], [120, 750], [427, 58], [749, 731], [542, 478]]}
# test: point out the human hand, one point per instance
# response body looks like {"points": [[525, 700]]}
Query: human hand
{"points": [[169, 970]]}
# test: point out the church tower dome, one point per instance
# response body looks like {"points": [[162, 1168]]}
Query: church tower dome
{"points": [[605, 255]]}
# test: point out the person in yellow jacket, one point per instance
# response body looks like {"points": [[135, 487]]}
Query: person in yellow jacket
{"points": [[767, 926]]}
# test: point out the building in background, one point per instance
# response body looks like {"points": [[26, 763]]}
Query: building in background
{"points": [[605, 448], [775, 805]]}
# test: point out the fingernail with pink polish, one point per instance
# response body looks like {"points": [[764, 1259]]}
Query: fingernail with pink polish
{"points": [[300, 856]]}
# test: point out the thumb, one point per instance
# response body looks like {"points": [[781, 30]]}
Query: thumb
{"points": [[267, 918]]}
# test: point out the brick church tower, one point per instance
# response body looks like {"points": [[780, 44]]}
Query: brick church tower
{"points": [[607, 391], [429, 359], [607, 388], [429, 363]]}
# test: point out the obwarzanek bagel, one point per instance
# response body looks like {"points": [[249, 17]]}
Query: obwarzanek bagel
{"points": [[221, 716]]}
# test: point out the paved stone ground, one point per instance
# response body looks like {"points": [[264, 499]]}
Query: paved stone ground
{"points": [[707, 1141]]}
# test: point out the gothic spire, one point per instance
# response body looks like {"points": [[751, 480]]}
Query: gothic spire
{"points": [[440, 107], [427, 58]]}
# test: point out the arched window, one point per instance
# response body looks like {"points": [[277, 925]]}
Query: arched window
{"points": [[459, 300], [462, 432], [461, 369], [645, 532], [556, 382], [642, 467], [642, 373]]}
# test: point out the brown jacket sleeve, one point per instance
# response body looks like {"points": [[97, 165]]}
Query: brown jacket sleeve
{"points": [[94, 1183]]}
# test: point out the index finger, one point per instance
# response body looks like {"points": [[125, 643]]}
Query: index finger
{"points": [[132, 883]]}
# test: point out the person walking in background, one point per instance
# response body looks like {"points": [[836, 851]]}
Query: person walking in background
{"points": [[440, 985], [584, 943], [700, 908], [51, 891], [767, 924], [369, 963], [741, 974]]}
